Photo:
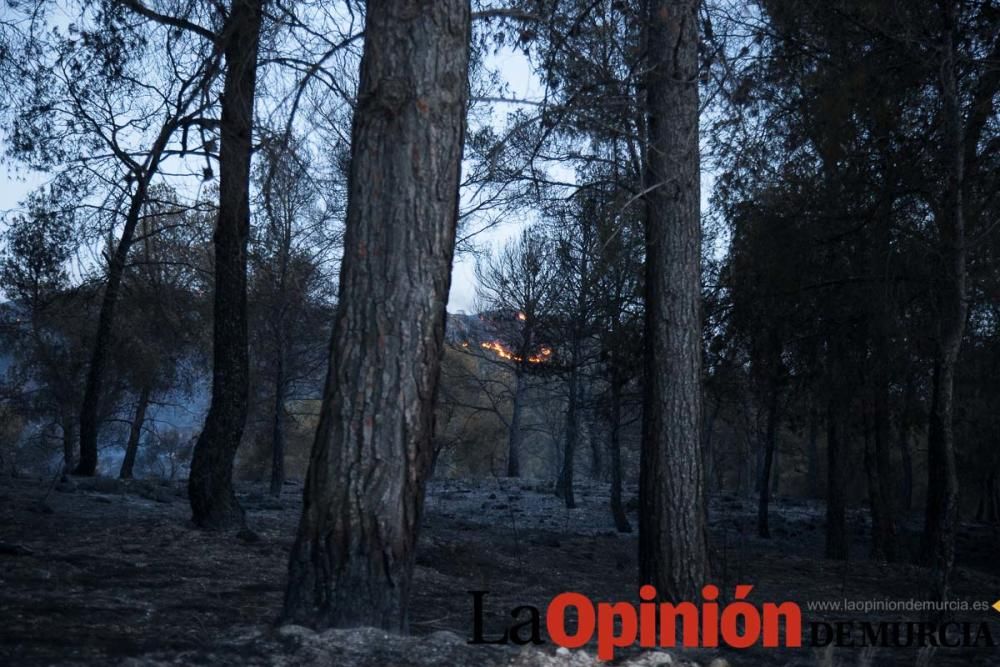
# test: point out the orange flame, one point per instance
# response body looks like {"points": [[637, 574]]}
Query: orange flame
{"points": [[543, 355], [504, 353]]}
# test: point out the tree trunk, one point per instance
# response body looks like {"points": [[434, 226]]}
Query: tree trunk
{"points": [[89, 418], [615, 447], [775, 470], [836, 499], [882, 530], [564, 487], [595, 436], [941, 516], [760, 453], [935, 472], [879, 474], [514, 434], [69, 443], [210, 485], [989, 504], [673, 541], [770, 440], [278, 428], [103, 336], [353, 558], [942, 508], [881, 489], [813, 449], [748, 479], [906, 448], [135, 433]]}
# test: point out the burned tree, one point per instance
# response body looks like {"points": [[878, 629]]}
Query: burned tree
{"points": [[521, 283], [290, 290], [102, 109], [210, 485], [353, 558], [673, 542]]}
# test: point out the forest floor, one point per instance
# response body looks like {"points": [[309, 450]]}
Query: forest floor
{"points": [[105, 572]]}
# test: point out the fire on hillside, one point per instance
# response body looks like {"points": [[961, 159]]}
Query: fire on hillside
{"points": [[502, 351]]}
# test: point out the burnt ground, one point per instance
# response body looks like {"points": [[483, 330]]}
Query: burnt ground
{"points": [[105, 572]]}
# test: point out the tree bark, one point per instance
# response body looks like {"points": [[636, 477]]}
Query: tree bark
{"points": [[353, 557], [210, 485], [942, 508], [673, 542], [135, 433]]}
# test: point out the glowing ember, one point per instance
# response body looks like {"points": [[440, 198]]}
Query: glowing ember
{"points": [[504, 353], [543, 355]]}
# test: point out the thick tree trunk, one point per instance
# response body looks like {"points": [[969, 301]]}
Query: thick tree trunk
{"points": [[210, 485], [942, 508], [673, 542], [836, 495], [135, 433], [514, 433], [615, 449], [278, 428], [353, 558], [770, 441]]}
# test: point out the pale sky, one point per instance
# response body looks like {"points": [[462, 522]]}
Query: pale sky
{"points": [[516, 70], [521, 83]]}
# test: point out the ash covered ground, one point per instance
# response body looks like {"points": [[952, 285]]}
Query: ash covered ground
{"points": [[105, 572]]}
